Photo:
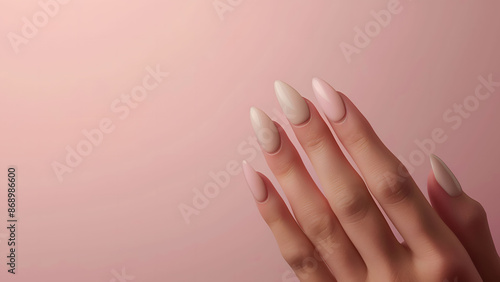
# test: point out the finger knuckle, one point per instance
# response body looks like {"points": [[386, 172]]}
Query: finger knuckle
{"points": [[298, 257], [358, 141], [315, 143], [351, 207], [393, 186], [320, 228], [285, 168], [274, 219], [446, 265], [475, 217]]}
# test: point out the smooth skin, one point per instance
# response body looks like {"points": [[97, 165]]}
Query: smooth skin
{"points": [[339, 233]]}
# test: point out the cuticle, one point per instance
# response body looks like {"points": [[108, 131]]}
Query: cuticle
{"points": [[267, 198], [308, 120], [342, 120], [277, 150], [304, 123], [346, 113]]}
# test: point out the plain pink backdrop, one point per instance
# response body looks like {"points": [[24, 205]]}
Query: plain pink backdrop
{"points": [[119, 209]]}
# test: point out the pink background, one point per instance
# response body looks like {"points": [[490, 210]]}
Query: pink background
{"points": [[119, 209]]}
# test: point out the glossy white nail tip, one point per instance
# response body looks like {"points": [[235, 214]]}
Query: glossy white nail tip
{"points": [[294, 106], [445, 177], [265, 130]]}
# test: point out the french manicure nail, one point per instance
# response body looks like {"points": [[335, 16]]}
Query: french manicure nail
{"points": [[267, 133], [255, 183], [329, 99], [294, 106], [445, 177]]}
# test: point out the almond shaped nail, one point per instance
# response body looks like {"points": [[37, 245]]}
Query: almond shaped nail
{"points": [[445, 177], [294, 106], [255, 183], [329, 99], [265, 130]]}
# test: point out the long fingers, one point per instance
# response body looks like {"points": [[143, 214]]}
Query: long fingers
{"points": [[310, 207], [343, 187]]}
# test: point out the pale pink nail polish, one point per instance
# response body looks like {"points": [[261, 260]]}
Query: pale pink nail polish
{"points": [[445, 177], [255, 183], [330, 101]]}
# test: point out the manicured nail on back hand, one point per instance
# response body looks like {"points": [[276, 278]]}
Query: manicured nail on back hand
{"points": [[266, 131], [329, 99], [294, 106], [445, 177], [255, 183]]}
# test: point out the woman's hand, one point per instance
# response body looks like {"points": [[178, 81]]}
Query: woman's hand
{"points": [[341, 234]]}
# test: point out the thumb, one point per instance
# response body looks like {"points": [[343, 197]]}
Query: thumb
{"points": [[465, 217]]}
